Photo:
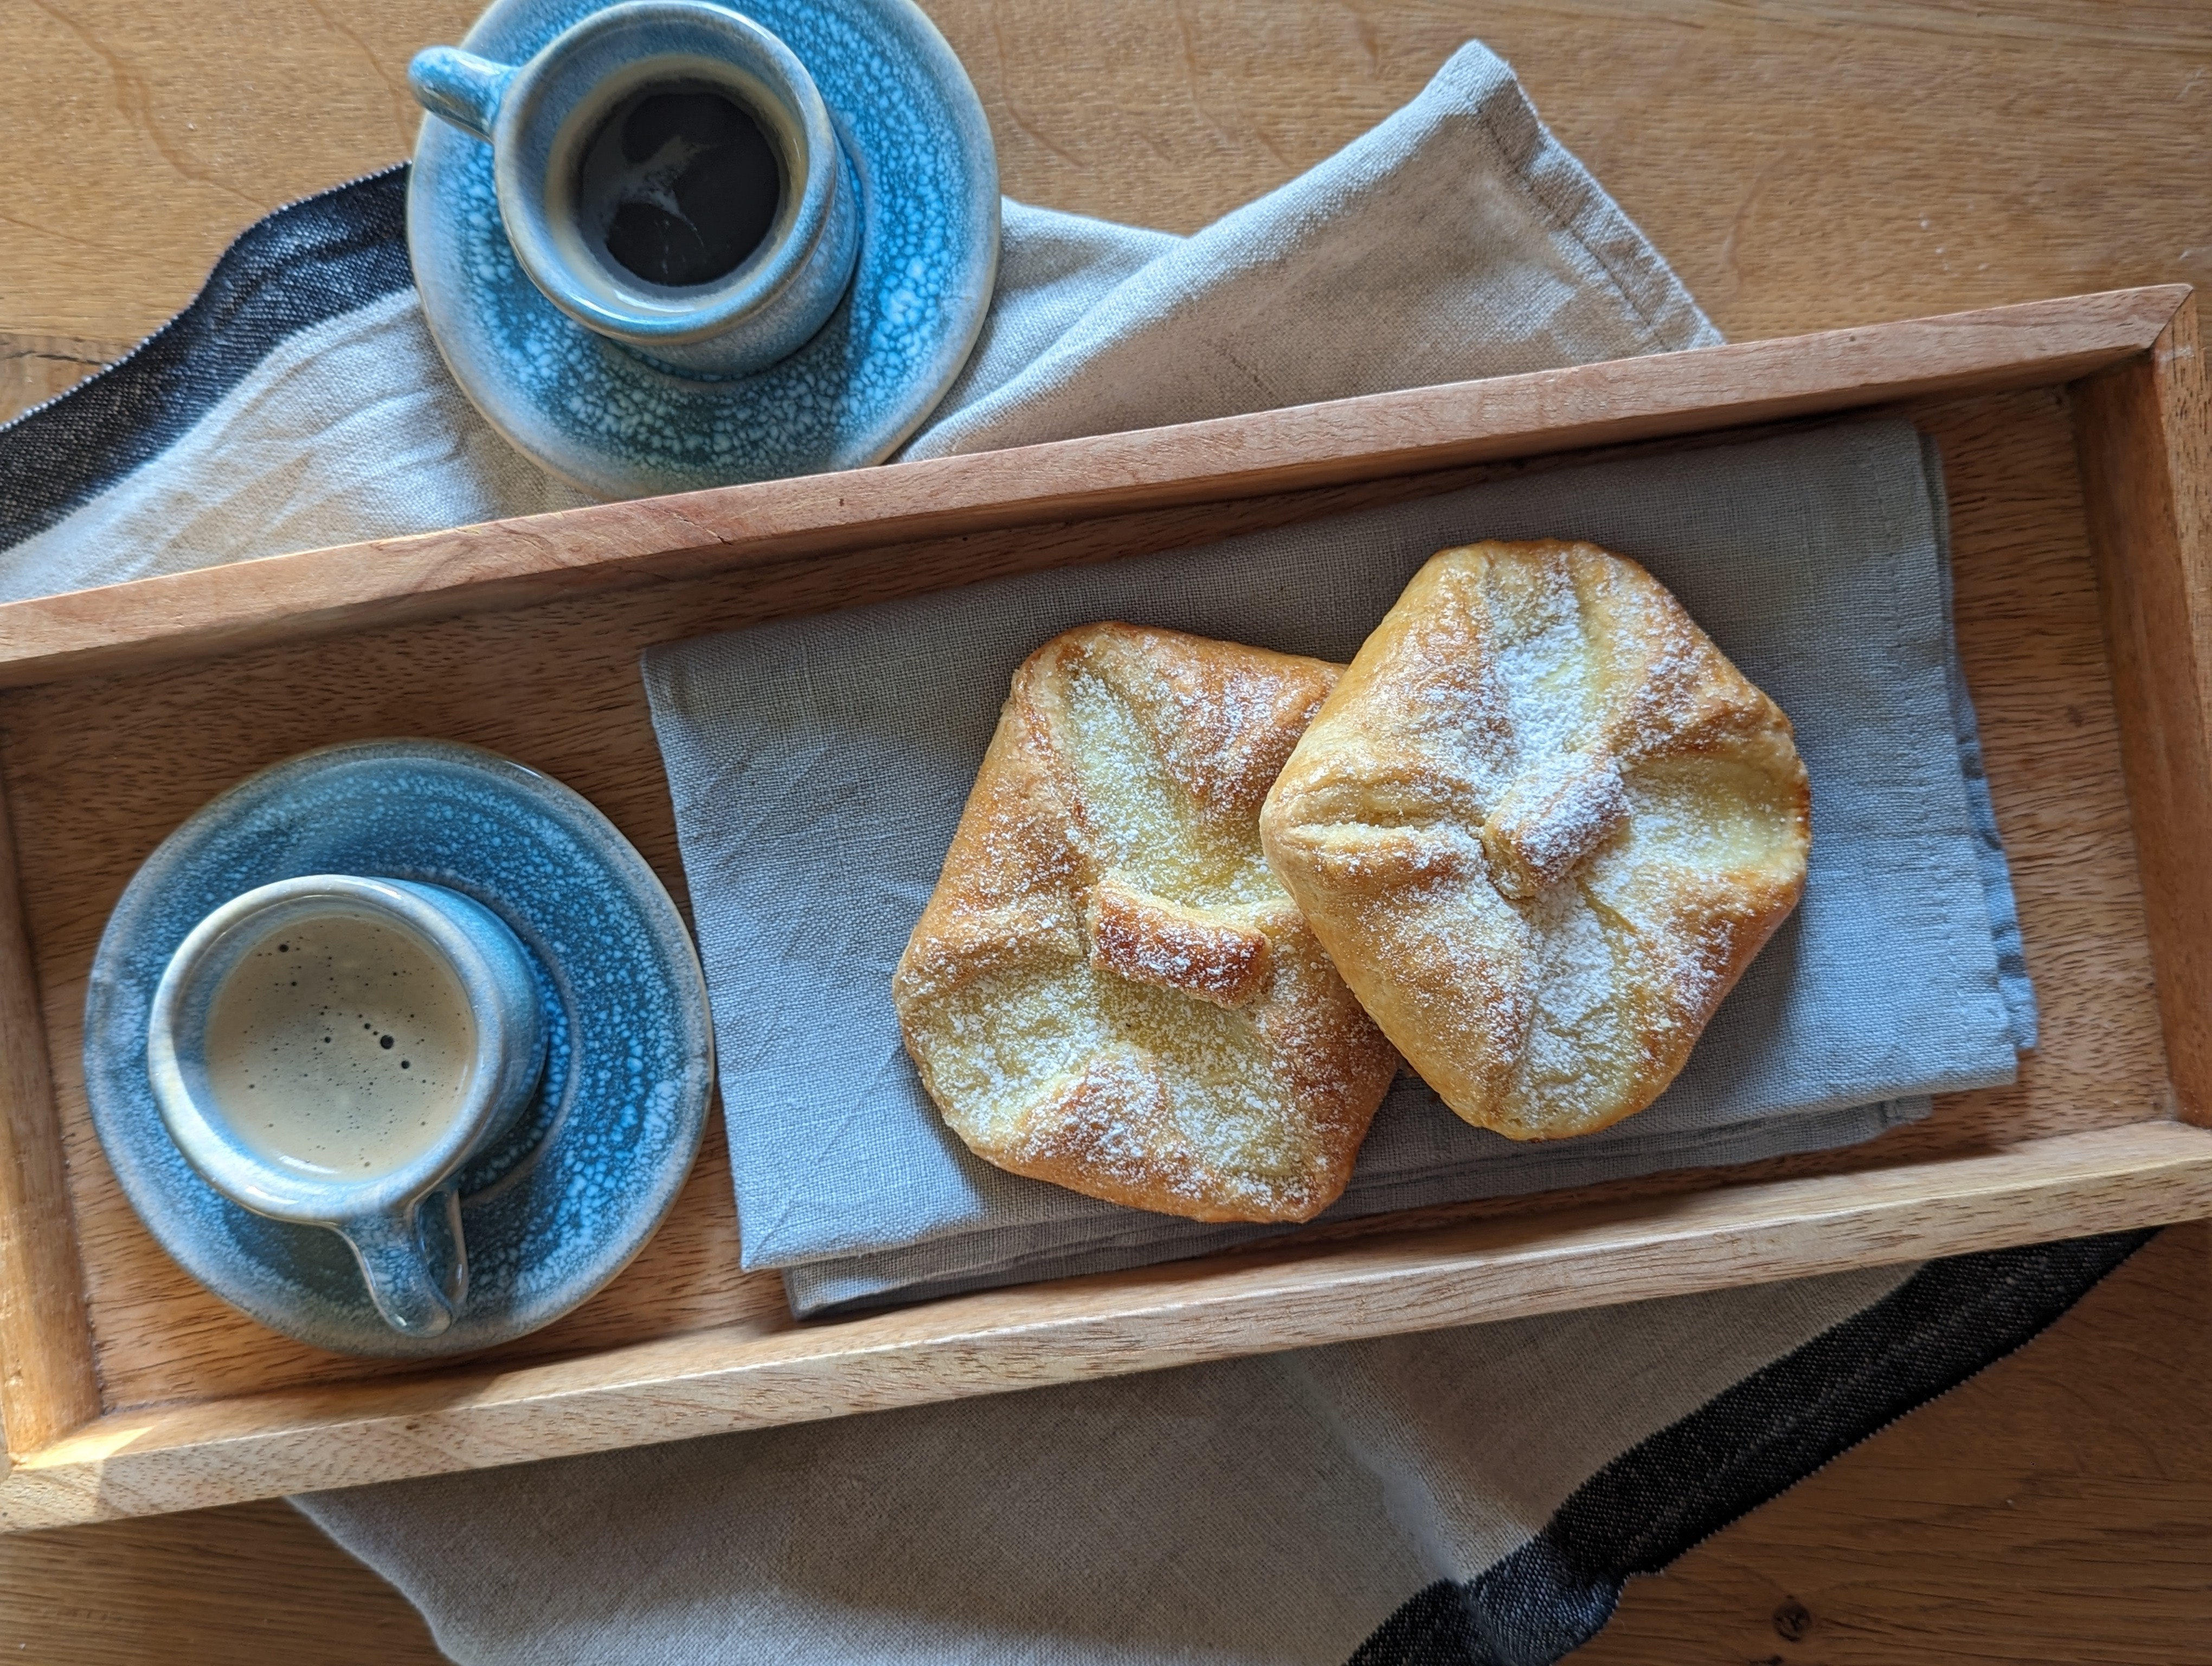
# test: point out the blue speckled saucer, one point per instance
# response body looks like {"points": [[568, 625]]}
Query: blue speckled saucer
{"points": [[576, 1190], [596, 414]]}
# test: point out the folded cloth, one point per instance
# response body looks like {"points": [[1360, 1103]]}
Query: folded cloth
{"points": [[819, 766], [1460, 1498]]}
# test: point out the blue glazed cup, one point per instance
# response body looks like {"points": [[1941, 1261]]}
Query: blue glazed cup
{"points": [[418, 1280], [544, 121]]}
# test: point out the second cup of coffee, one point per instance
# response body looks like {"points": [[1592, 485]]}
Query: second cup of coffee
{"points": [[669, 176], [332, 1049]]}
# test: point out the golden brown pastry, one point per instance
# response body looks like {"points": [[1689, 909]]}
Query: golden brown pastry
{"points": [[1542, 826], [1109, 989]]}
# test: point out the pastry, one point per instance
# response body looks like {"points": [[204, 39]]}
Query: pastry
{"points": [[1541, 827], [1109, 989]]}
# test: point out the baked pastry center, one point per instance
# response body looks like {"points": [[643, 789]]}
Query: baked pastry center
{"points": [[1110, 988], [1541, 826]]}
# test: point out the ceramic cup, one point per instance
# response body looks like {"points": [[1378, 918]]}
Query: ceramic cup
{"points": [[642, 150], [350, 1129]]}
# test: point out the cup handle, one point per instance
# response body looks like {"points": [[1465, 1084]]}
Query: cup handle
{"points": [[464, 88], [412, 1299]]}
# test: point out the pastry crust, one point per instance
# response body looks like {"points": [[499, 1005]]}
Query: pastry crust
{"points": [[1109, 989], [1541, 827]]}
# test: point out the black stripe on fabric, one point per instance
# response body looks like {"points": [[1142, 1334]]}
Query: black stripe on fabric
{"points": [[305, 264], [1746, 1446]]}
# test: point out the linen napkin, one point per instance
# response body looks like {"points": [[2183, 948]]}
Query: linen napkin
{"points": [[819, 766]]}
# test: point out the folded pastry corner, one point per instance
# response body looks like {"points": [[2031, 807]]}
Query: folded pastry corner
{"points": [[1109, 988], [1541, 826]]}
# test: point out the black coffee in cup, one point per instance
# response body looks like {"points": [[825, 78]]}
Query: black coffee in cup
{"points": [[679, 184], [668, 176]]}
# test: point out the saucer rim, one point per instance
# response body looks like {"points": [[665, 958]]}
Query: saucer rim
{"points": [[179, 1230], [623, 475]]}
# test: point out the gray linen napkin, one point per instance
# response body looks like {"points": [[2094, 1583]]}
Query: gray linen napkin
{"points": [[819, 766], [1456, 239]]}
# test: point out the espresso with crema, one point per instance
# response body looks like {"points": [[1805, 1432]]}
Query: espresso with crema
{"points": [[341, 1045]]}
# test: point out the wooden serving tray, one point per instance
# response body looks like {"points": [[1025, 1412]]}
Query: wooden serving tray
{"points": [[2075, 433]]}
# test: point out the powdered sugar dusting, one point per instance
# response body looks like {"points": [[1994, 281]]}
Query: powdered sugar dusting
{"points": [[1158, 1053], [1641, 811]]}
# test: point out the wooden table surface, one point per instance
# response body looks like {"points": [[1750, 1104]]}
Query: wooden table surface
{"points": [[1804, 163]]}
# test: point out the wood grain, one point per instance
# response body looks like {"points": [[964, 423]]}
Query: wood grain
{"points": [[254, 1583], [140, 1462], [1804, 163], [102, 767], [35, 368], [2058, 1509], [2145, 432], [574, 552], [47, 1384]]}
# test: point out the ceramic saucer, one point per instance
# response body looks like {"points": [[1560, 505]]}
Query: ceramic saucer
{"points": [[602, 417], [569, 1197]]}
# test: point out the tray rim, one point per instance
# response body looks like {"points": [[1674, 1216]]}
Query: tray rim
{"points": [[2142, 415], [143, 1462], [566, 553]]}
